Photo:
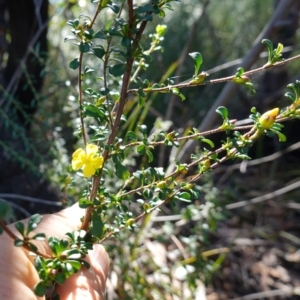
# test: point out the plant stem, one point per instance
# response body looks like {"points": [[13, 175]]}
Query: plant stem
{"points": [[25, 246], [80, 99]]}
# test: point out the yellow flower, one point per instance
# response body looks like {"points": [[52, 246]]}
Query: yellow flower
{"points": [[88, 160], [268, 118]]}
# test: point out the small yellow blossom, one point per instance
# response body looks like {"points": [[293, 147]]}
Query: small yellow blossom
{"points": [[268, 118], [88, 160]]}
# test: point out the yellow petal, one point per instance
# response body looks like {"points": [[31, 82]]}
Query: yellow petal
{"points": [[77, 159], [78, 154], [88, 170], [76, 164], [91, 149], [97, 162]]}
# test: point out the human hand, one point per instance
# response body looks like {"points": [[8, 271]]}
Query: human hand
{"points": [[18, 274]]}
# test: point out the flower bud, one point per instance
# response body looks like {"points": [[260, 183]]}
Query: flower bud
{"points": [[146, 206], [268, 118], [161, 30], [189, 186], [68, 180], [130, 222], [162, 184], [242, 79], [206, 163]]}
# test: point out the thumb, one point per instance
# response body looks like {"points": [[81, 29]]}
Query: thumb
{"points": [[87, 284]]}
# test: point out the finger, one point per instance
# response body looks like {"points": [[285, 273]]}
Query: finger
{"points": [[87, 284], [17, 273]]}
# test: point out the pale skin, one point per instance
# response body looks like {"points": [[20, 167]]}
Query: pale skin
{"points": [[18, 275]]}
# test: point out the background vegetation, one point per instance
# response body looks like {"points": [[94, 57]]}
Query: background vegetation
{"points": [[232, 249]]}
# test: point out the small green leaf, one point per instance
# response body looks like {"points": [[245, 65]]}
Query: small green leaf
{"points": [[104, 91], [162, 14], [39, 236], [72, 254], [177, 92], [69, 38], [296, 88], [98, 51], [141, 149], [125, 41], [209, 142], [94, 112], [39, 262], [117, 70], [114, 7], [250, 87], [147, 193], [97, 225], [281, 136], [73, 23], [40, 289], [89, 33], [197, 57], [269, 45], [84, 47], [121, 171], [100, 35], [278, 50], [222, 110], [138, 175], [145, 8], [60, 278], [150, 155], [75, 264], [184, 196], [131, 135], [155, 86], [74, 64], [84, 203], [84, 262], [142, 96], [18, 243], [32, 247], [33, 222], [87, 69], [240, 72], [143, 129], [291, 96]]}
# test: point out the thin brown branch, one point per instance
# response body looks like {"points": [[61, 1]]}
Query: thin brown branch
{"points": [[25, 246], [96, 14], [215, 81], [80, 99], [120, 108], [130, 18]]}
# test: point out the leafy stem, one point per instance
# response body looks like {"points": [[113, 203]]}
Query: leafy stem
{"points": [[80, 99], [213, 81], [25, 245], [119, 109]]}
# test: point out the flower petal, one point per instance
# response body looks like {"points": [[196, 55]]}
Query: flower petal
{"points": [[97, 162], [88, 170], [91, 149], [78, 158], [76, 164]]}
